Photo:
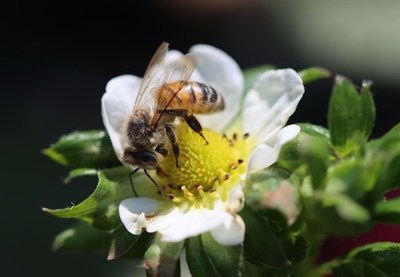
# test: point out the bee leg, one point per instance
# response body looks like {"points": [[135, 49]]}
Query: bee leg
{"points": [[190, 119], [171, 136], [160, 172], [160, 149]]}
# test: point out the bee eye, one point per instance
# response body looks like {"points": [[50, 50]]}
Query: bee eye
{"points": [[143, 158], [147, 158]]}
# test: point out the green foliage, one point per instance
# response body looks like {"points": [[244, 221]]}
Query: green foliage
{"points": [[161, 258], [326, 181], [90, 149], [375, 259], [313, 73], [206, 257], [351, 116]]}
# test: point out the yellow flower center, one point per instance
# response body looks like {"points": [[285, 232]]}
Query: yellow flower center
{"points": [[206, 171]]}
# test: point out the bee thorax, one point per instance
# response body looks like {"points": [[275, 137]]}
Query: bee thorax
{"points": [[140, 133]]}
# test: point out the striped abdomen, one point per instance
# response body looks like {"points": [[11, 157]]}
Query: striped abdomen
{"points": [[194, 96]]}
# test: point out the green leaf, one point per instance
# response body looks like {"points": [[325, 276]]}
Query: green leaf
{"points": [[368, 110], [251, 74], [90, 149], [198, 260], [350, 117], [161, 257], [292, 154], [314, 73], [386, 152], [344, 115], [353, 177], [206, 257], [100, 209], [375, 259], [121, 242], [316, 155], [226, 259], [335, 213], [263, 245], [388, 211], [358, 268], [82, 237]]}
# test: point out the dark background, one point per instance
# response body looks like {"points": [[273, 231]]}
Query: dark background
{"points": [[55, 60]]}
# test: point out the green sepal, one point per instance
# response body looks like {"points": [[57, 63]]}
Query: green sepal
{"points": [[100, 209], [314, 73], [375, 259], [80, 172], [90, 149], [315, 131], [206, 257], [82, 237], [161, 257]]}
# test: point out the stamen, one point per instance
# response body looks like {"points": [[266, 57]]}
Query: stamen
{"points": [[206, 172]]}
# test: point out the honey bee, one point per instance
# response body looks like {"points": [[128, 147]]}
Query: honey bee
{"points": [[165, 95]]}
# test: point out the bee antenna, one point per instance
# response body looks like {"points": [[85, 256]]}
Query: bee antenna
{"points": [[131, 182]]}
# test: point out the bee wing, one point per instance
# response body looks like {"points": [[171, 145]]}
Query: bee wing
{"points": [[178, 70], [154, 77]]}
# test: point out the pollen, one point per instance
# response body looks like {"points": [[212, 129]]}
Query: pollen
{"points": [[205, 171]]}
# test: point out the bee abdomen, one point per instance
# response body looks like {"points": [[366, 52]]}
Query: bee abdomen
{"points": [[198, 98]]}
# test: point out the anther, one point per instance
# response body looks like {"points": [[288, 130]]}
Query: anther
{"points": [[240, 161], [226, 177], [234, 136], [246, 135], [233, 166]]}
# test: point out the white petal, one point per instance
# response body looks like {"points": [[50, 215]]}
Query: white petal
{"points": [[116, 105], [234, 202], [192, 223], [265, 155], [219, 70], [163, 220], [172, 56], [270, 102], [134, 212], [231, 232]]}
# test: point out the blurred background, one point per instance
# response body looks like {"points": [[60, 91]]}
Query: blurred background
{"points": [[57, 56]]}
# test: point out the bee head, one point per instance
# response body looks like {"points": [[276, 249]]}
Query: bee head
{"points": [[146, 159]]}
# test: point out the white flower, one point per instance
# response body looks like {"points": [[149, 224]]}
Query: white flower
{"points": [[199, 206]]}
